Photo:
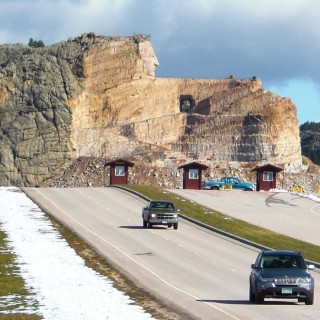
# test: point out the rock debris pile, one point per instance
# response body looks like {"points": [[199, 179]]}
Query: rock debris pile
{"points": [[92, 172]]}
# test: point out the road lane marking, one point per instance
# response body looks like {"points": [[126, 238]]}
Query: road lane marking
{"points": [[140, 264], [312, 209]]}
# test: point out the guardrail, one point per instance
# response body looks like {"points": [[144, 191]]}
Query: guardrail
{"points": [[213, 229]]}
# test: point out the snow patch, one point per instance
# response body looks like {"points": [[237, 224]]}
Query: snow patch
{"points": [[63, 286]]}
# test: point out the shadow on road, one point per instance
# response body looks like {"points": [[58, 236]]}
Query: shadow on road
{"points": [[132, 227], [141, 227], [226, 301], [273, 200], [144, 254], [246, 302]]}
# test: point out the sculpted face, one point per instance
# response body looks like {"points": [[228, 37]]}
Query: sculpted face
{"points": [[149, 59]]}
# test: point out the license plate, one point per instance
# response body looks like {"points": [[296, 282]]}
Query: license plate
{"points": [[164, 222], [286, 290]]}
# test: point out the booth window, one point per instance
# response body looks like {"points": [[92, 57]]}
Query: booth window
{"points": [[193, 173], [119, 171], [267, 176]]}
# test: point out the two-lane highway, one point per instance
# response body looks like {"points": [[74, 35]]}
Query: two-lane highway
{"points": [[195, 270]]}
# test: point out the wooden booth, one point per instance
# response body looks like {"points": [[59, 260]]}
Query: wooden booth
{"points": [[119, 171], [192, 175], [267, 177]]}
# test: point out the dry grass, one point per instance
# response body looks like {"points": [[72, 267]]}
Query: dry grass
{"points": [[12, 285]]}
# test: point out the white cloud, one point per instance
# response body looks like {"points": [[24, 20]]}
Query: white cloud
{"points": [[272, 39]]}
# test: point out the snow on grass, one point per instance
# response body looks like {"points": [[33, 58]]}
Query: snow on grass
{"points": [[63, 286]]}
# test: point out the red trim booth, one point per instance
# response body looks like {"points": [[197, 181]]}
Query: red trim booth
{"points": [[267, 177], [192, 173], [119, 171]]}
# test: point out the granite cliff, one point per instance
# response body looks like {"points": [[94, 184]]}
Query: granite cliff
{"points": [[95, 96]]}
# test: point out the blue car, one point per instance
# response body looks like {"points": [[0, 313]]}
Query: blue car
{"points": [[228, 183]]}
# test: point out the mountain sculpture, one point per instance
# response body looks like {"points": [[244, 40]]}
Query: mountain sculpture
{"points": [[95, 96]]}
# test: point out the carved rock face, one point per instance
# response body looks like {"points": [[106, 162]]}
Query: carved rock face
{"points": [[99, 97], [148, 57]]}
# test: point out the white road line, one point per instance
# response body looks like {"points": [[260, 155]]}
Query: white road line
{"points": [[140, 264], [312, 209]]}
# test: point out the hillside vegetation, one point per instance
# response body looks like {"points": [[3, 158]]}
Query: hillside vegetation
{"points": [[310, 141]]}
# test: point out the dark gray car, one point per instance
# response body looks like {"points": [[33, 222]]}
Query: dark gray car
{"points": [[281, 274], [160, 212]]}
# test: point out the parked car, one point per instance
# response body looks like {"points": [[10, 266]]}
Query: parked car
{"points": [[281, 274], [228, 182], [160, 212]]}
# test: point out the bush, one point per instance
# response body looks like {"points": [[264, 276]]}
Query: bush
{"points": [[35, 44]]}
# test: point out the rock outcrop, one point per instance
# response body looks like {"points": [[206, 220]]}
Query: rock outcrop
{"points": [[310, 141], [98, 97]]}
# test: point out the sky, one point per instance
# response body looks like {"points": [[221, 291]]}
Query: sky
{"points": [[61, 285], [276, 41]]}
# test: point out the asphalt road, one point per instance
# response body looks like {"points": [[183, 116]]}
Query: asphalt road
{"points": [[203, 274], [289, 214]]}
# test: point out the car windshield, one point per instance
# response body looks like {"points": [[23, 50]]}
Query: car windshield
{"points": [[282, 261], [162, 205]]}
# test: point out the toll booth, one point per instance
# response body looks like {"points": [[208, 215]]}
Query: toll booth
{"points": [[119, 171], [192, 173], [266, 177]]}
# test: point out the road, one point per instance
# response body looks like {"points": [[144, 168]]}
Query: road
{"points": [[289, 214], [204, 275]]}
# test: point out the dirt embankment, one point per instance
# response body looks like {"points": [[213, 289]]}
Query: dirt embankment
{"points": [[92, 172]]}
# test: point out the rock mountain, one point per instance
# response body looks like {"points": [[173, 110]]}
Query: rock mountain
{"points": [[95, 96]]}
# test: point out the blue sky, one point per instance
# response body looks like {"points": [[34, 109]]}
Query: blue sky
{"points": [[276, 41]]}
